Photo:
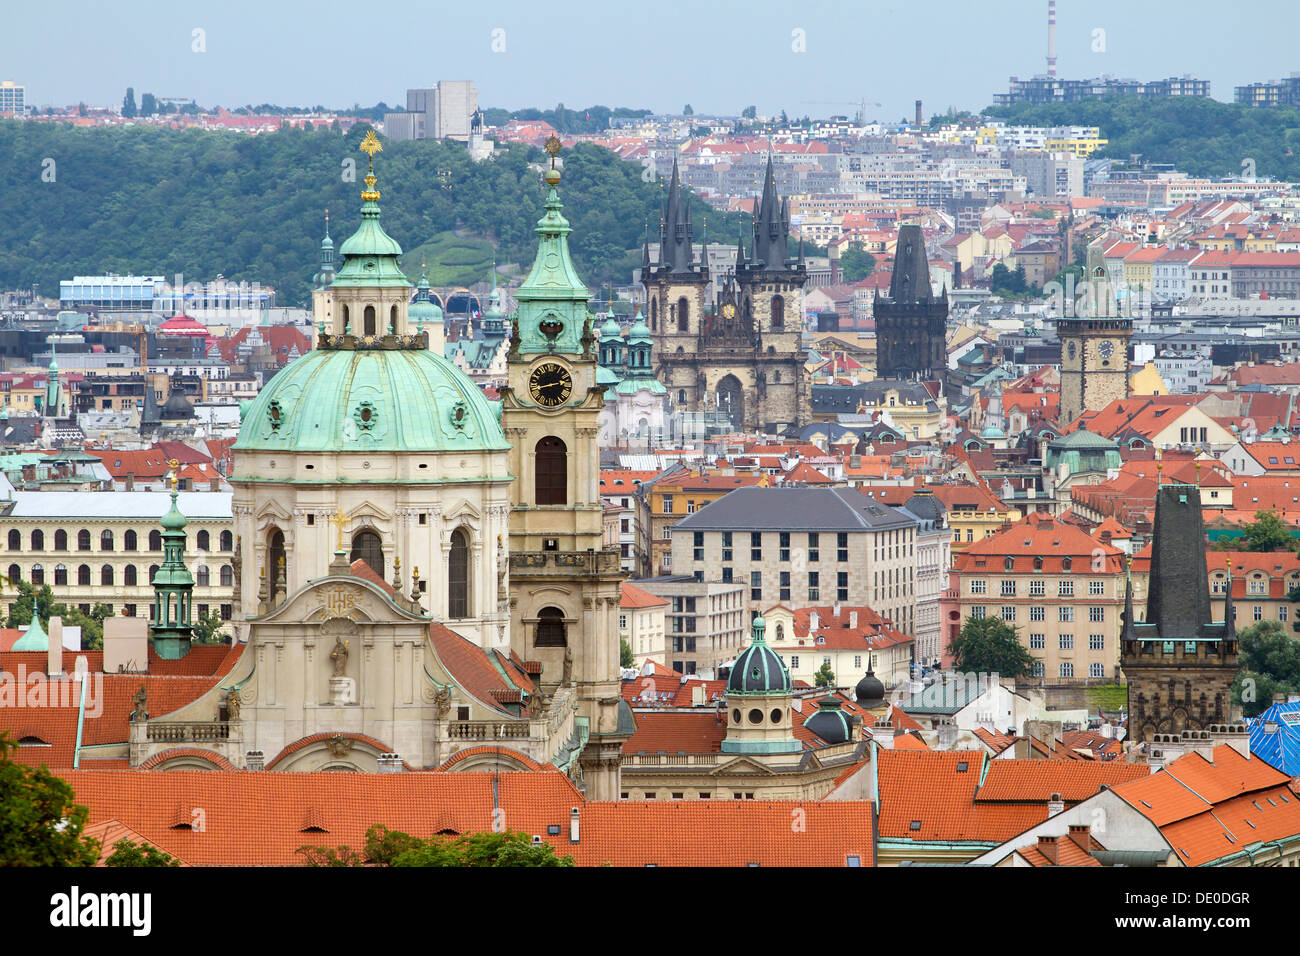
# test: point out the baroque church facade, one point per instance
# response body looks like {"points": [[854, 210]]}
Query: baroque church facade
{"points": [[420, 579], [741, 355]]}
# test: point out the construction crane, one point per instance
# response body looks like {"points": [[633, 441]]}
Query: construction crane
{"points": [[861, 104]]}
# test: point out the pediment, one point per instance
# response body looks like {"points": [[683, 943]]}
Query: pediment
{"points": [[741, 765], [462, 509], [366, 513], [339, 596]]}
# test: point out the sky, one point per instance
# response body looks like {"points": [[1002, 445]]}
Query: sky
{"points": [[812, 57]]}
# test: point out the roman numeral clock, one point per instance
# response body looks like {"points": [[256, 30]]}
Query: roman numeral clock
{"points": [[550, 384]]}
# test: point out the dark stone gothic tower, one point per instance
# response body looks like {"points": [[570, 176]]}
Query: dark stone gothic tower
{"points": [[911, 324], [742, 353], [1179, 664]]}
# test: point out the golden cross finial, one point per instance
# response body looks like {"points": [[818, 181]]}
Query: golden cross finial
{"points": [[175, 475], [553, 146], [337, 519], [371, 145]]}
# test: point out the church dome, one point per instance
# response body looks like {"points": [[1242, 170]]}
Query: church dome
{"points": [[758, 668], [423, 310], [371, 400], [830, 723], [640, 331], [869, 690], [610, 329]]}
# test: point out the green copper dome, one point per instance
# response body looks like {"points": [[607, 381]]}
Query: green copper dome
{"points": [[173, 520], [423, 309], [34, 639], [640, 332], [372, 400], [758, 668], [610, 329]]}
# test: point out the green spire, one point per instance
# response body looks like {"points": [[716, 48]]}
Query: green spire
{"points": [[173, 588], [34, 639], [370, 254], [552, 311]]}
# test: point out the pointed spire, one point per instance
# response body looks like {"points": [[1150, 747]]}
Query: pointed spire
{"points": [[1128, 633], [173, 586], [675, 237], [1229, 611]]}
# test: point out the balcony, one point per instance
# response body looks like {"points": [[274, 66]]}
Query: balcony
{"points": [[187, 731]]}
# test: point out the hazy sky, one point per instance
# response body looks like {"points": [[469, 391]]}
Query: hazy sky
{"points": [[718, 55]]}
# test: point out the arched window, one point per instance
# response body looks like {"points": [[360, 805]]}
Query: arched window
{"points": [[38, 574], [83, 540], [550, 628], [551, 480], [155, 540], [368, 321], [60, 575], [129, 541], [392, 320], [38, 540], [681, 396], [128, 575], [778, 312], [83, 575], [15, 539], [654, 314], [367, 546], [106, 575], [458, 575], [227, 576], [203, 541], [227, 541], [60, 540], [275, 555], [683, 315], [201, 576], [15, 574], [346, 320], [106, 541]]}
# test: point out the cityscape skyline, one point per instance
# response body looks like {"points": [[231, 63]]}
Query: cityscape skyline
{"points": [[516, 61]]}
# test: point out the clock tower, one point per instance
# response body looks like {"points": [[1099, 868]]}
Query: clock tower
{"points": [[1094, 363], [564, 585]]}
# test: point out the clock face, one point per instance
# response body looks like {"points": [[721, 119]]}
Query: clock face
{"points": [[1106, 349], [1070, 349], [550, 385]]}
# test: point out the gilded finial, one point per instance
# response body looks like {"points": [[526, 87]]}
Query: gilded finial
{"points": [[175, 473], [337, 518], [370, 145], [553, 146]]}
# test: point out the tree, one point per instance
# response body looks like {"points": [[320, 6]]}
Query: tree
{"points": [[625, 658], [856, 264], [385, 847], [1270, 664], [39, 823], [207, 629], [989, 645], [687, 111], [128, 104], [1268, 532], [41, 602], [824, 677], [749, 112], [127, 853], [148, 105]]}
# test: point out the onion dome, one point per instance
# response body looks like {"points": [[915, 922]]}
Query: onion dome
{"points": [[830, 723], [758, 668], [423, 309], [869, 690], [640, 331]]}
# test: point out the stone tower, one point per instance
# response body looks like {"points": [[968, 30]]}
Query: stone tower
{"points": [[743, 352], [564, 584], [1179, 664], [1094, 363], [911, 324]]}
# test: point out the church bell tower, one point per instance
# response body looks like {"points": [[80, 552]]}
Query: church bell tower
{"points": [[564, 585]]}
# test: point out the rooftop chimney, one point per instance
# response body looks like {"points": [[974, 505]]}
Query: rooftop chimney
{"points": [[1055, 805], [853, 620], [390, 763], [254, 760], [1047, 846], [574, 832], [54, 654], [813, 619]]}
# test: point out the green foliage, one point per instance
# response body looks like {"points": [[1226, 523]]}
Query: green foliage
{"points": [[1202, 136], [386, 847], [1270, 664], [148, 105], [157, 201], [451, 260], [749, 112], [1268, 532], [592, 119], [856, 264], [127, 853], [1012, 285], [825, 677], [687, 111], [207, 629], [625, 658], [1109, 697], [41, 601], [989, 645], [39, 823]]}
